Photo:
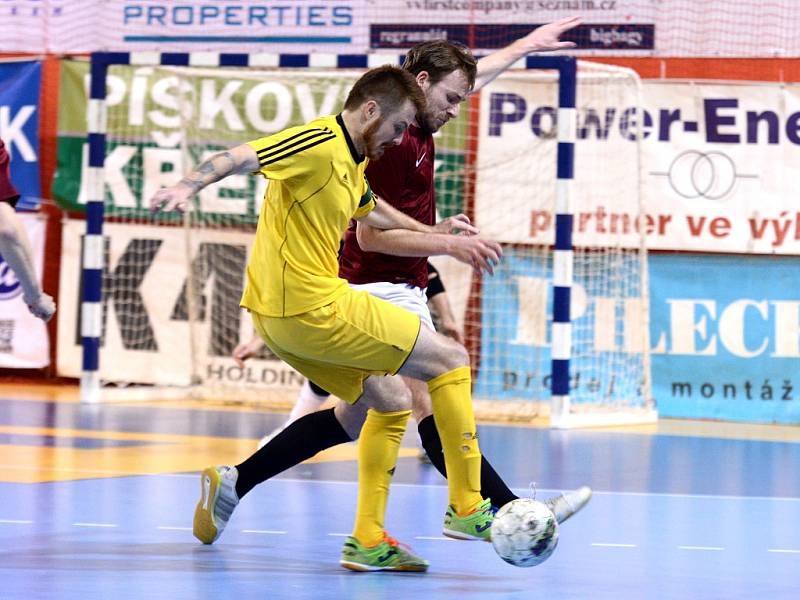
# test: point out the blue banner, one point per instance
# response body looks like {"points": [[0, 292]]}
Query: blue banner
{"points": [[20, 82], [516, 309], [725, 333]]}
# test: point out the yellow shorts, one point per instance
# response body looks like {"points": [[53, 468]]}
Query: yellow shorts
{"points": [[339, 345]]}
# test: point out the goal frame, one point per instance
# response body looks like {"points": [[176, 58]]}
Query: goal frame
{"points": [[92, 256]]}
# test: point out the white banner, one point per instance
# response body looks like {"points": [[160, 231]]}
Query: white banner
{"points": [[287, 26], [674, 28], [24, 343], [147, 338], [720, 165]]}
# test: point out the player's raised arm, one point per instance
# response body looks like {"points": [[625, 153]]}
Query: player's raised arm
{"points": [[542, 39], [241, 159]]}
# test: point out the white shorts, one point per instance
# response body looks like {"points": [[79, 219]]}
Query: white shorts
{"points": [[404, 295]]}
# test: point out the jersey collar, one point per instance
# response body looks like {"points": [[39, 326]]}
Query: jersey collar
{"points": [[353, 152]]}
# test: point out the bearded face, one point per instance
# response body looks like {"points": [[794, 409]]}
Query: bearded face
{"points": [[443, 99], [386, 130], [373, 149]]}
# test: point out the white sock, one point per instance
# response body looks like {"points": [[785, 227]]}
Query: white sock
{"points": [[306, 403]]}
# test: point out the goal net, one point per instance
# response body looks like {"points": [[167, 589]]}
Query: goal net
{"points": [[516, 202], [172, 283]]}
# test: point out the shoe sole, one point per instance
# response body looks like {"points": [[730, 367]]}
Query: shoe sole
{"points": [[203, 527], [460, 535], [585, 494], [362, 568]]}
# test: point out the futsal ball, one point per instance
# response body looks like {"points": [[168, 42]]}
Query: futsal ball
{"points": [[524, 532]]}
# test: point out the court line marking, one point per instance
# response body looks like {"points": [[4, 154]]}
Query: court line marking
{"points": [[670, 495], [267, 531], [16, 521], [117, 472], [418, 537], [525, 491]]}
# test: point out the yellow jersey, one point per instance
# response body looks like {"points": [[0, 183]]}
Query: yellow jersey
{"points": [[317, 185]]}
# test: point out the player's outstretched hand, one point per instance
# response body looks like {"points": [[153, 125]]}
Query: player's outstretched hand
{"points": [[173, 198], [42, 307], [246, 350], [240, 354], [481, 254], [459, 223], [546, 37]]}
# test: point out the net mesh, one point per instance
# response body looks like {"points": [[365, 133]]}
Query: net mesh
{"points": [[514, 202]]}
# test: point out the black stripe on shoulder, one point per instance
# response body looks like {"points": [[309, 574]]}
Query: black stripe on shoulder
{"points": [[290, 138], [270, 152], [294, 150]]}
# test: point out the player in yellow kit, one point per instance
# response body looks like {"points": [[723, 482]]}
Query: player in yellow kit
{"points": [[339, 337]]}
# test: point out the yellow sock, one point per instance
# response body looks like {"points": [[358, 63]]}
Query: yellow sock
{"points": [[378, 446], [451, 396]]}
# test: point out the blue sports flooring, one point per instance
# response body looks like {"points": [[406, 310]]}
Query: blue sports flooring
{"points": [[97, 502]]}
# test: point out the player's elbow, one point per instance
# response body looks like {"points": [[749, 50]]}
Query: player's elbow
{"points": [[366, 238]]}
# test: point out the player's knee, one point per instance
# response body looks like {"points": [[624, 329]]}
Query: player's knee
{"points": [[399, 399], [453, 356], [387, 394]]}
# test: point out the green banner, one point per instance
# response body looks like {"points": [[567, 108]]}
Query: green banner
{"points": [[164, 120]]}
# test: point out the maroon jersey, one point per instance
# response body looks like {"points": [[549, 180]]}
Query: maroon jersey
{"points": [[403, 177], [8, 193]]}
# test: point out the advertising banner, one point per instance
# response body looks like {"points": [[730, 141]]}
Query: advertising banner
{"points": [[719, 164], [638, 27], [146, 333], [200, 25], [516, 310], [725, 335], [19, 125], [151, 142], [620, 26], [632, 27], [162, 121], [24, 343]]}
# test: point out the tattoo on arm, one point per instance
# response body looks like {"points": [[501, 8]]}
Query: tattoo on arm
{"points": [[210, 171]]}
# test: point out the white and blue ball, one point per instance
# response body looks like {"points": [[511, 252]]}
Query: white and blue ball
{"points": [[525, 532]]}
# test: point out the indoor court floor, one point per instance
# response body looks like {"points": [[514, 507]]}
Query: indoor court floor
{"points": [[97, 502]]}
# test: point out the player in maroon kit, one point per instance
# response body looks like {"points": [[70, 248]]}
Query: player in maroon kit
{"points": [[15, 247], [393, 267]]}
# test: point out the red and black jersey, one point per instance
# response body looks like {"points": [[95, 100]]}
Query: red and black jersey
{"points": [[8, 193], [403, 177]]}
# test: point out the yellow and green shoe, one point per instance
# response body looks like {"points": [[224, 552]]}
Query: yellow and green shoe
{"points": [[389, 555], [475, 525]]}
